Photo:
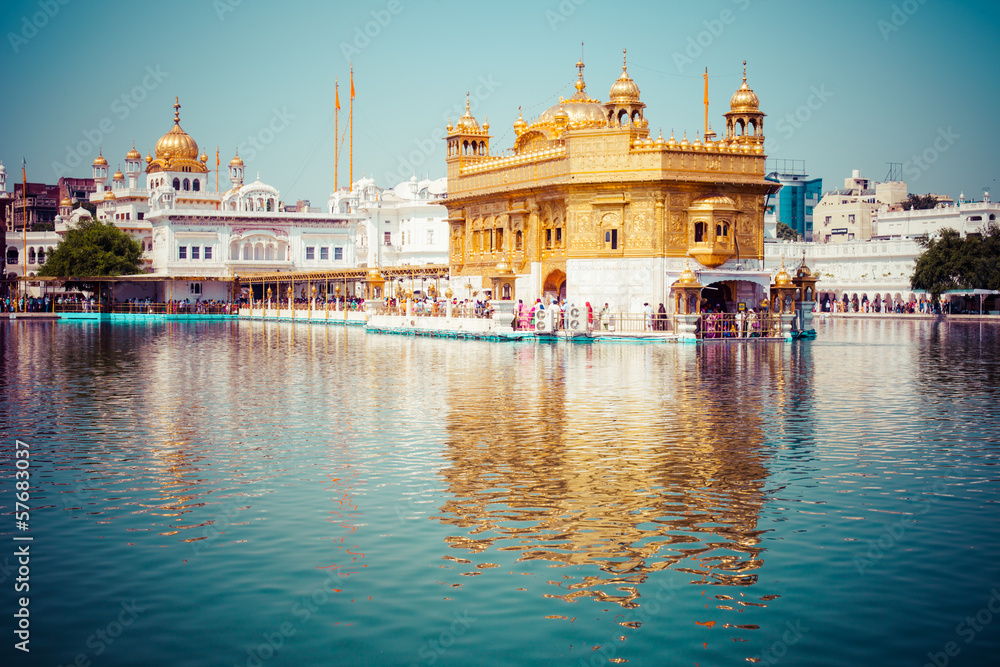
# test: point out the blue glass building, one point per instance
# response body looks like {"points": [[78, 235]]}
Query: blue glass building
{"points": [[793, 205]]}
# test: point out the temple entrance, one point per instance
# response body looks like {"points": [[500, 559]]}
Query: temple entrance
{"points": [[554, 285], [726, 295]]}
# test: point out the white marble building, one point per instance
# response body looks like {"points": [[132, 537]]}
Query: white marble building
{"points": [[403, 225], [964, 217]]}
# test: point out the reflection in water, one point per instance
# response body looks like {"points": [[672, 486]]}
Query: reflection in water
{"points": [[663, 469]]}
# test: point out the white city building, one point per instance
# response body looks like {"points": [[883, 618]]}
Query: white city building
{"points": [[404, 225], [964, 217]]}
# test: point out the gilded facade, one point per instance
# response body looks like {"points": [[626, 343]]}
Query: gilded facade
{"points": [[589, 206]]}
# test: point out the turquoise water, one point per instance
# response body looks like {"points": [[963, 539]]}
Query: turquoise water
{"points": [[235, 493]]}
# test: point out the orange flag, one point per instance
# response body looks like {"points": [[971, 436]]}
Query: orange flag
{"points": [[352, 83], [706, 86], [336, 95]]}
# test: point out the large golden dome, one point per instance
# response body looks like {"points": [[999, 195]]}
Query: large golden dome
{"points": [[176, 143], [176, 150], [581, 109]]}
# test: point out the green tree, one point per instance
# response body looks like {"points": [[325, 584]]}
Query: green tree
{"points": [[918, 202], [786, 233], [952, 262], [93, 248]]}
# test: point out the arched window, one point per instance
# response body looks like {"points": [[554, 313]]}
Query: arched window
{"points": [[635, 117], [258, 251], [41, 255], [177, 184], [269, 252], [234, 250], [623, 118], [518, 240], [12, 255], [196, 185], [31, 255], [699, 232], [246, 252], [187, 184], [725, 229]]}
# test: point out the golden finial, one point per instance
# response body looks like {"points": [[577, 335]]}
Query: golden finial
{"points": [[467, 101], [624, 62], [744, 71], [580, 85], [177, 110]]}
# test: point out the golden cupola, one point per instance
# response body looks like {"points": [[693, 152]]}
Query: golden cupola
{"points": [[133, 154], [744, 120], [100, 160], [467, 139], [176, 150], [579, 111], [624, 108]]}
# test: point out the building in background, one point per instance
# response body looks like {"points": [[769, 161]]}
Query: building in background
{"points": [[400, 226], [966, 217], [847, 214], [799, 194]]}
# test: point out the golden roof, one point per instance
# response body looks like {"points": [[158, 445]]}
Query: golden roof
{"points": [[688, 278], [65, 202], [236, 161], [100, 161], [712, 202], [109, 196], [133, 154], [119, 176], [783, 279], [744, 99], [624, 90]]}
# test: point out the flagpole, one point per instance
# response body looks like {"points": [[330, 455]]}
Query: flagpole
{"points": [[706, 100], [352, 126], [24, 226], [217, 163], [336, 135]]}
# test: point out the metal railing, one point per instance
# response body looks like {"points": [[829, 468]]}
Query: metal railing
{"points": [[740, 325]]}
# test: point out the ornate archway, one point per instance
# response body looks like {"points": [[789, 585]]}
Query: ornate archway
{"points": [[555, 284]]}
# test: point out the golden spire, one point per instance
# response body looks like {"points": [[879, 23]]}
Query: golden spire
{"points": [[744, 71], [177, 109]]}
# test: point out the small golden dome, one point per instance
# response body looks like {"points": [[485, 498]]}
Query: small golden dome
{"points": [[672, 143], [149, 158], [697, 145], [660, 141], [119, 176], [100, 161], [109, 196], [486, 124], [467, 123], [782, 279], [684, 142], [133, 154], [519, 124], [712, 202], [449, 127], [688, 277], [624, 90], [65, 202], [203, 158], [561, 117], [236, 161], [744, 100]]}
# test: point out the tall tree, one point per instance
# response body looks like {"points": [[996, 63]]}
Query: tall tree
{"points": [[952, 262], [93, 248]]}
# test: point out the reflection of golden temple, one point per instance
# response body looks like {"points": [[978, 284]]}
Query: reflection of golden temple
{"points": [[629, 483]]}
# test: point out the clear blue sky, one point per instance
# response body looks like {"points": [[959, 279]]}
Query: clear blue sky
{"points": [[852, 84]]}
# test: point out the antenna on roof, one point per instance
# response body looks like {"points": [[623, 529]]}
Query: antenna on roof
{"points": [[895, 172]]}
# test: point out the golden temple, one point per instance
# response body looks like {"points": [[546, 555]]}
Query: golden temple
{"points": [[588, 206]]}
